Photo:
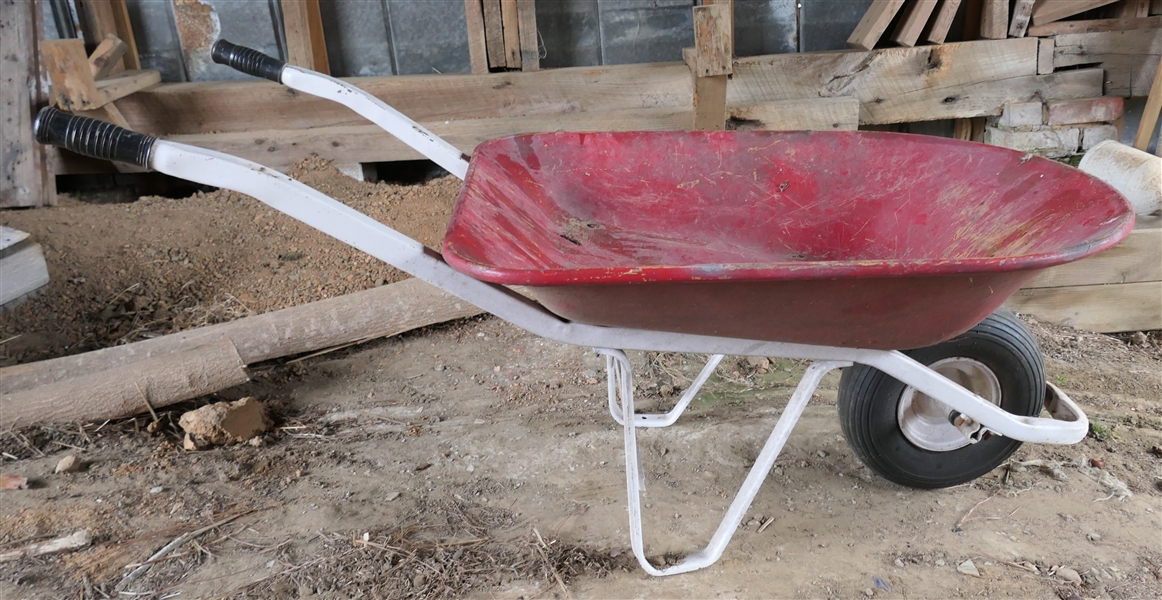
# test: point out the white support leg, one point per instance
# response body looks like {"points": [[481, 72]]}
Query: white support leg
{"points": [[621, 384], [617, 367]]}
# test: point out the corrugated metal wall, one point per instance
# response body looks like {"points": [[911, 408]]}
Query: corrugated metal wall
{"points": [[396, 37]]}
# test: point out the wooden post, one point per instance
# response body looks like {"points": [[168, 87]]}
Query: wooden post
{"points": [[477, 48], [1150, 114], [937, 29], [510, 21], [494, 34], [711, 63], [994, 19], [1132, 8], [25, 176], [107, 55], [305, 44], [1022, 12], [873, 24], [530, 45]]}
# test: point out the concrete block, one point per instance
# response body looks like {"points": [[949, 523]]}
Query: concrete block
{"points": [[1021, 114], [1085, 110], [1092, 135], [1046, 141]]}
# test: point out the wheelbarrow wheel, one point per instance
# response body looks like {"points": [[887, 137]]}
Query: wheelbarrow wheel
{"points": [[908, 438]]}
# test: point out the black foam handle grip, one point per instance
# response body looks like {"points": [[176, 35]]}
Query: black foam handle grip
{"points": [[90, 137], [247, 60]]}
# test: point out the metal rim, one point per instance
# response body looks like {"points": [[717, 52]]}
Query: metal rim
{"points": [[924, 420]]}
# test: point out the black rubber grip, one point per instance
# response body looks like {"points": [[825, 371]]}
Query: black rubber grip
{"points": [[90, 137], [247, 60]]}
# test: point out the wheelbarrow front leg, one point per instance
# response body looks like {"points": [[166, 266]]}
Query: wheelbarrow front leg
{"points": [[253, 62]]}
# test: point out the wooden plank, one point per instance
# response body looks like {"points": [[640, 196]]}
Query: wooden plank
{"points": [[1128, 9], [937, 29], [824, 114], [911, 25], [23, 271], [1045, 49], [1095, 26], [730, 19], [1048, 11], [530, 44], [994, 19], [107, 55], [25, 178], [1150, 114], [282, 148], [1022, 12], [1130, 58], [709, 103], [873, 24], [477, 47], [100, 18], [67, 64], [712, 34], [1101, 308], [1156, 7], [494, 34], [962, 129], [510, 22], [122, 85], [1137, 258], [305, 43]]}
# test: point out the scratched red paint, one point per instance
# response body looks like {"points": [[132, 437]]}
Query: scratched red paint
{"points": [[857, 239]]}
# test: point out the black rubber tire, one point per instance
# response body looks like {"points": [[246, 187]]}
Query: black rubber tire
{"points": [[869, 399]]}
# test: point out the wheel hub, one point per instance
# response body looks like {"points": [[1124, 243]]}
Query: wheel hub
{"points": [[924, 421]]}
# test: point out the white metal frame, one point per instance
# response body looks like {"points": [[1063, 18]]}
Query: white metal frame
{"points": [[1068, 425]]}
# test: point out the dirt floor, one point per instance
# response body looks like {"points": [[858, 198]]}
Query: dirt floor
{"points": [[473, 459]]}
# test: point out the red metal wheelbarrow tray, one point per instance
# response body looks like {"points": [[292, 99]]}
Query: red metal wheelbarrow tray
{"points": [[853, 239]]}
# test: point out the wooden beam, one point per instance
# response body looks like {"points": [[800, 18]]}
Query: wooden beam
{"points": [[1128, 9], [306, 45], [26, 176], [107, 55], [1149, 120], [1048, 11], [1022, 12], [730, 18], [1130, 58], [1136, 259], [104, 17], [67, 64], [709, 103], [1045, 55], [712, 34], [1095, 25], [873, 24], [994, 19], [530, 44], [823, 114], [1100, 308], [937, 29], [510, 21], [494, 34], [477, 47], [1156, 7], [911, 25]]}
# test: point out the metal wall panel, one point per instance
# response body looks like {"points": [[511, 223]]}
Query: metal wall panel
{"points": [[765, 27], [570, 33], [429, 37], [645, 31], [826, 24], [358, 43], [157, 38]]}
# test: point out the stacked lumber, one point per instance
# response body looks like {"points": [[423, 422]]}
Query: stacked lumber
{"points": [[23, 271], [1117, 290], [502, 35]]}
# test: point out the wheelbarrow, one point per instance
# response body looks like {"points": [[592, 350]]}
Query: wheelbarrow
{"points": [[885, 255]]}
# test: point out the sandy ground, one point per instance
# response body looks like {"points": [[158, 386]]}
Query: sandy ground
{"points": [[474, 459]]}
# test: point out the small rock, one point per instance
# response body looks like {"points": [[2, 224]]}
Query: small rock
{"points": [[1157, 450], [666, 390], [869, 593], [256, 441], [899, 563], [940, 562], [1069, 575], [440, 368], [968, 568], [1093, 537], [1097, 463], [1138, 339], [391, 496], [13, 482], [820, 454], [225, 423], [68, 464], [157, 489], [758, 362]]}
